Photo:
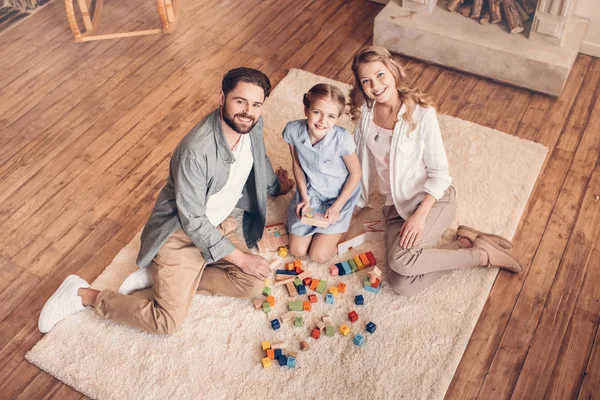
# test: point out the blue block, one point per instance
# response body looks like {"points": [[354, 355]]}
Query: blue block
{"points": [[341, 270], [371, 327], [301, 289], [359, 300], [329, 298], [359, 339], [278, 353], [347, 269], [291, 362], [275, 324], [282, 360], [286, 272], [372, 289]]}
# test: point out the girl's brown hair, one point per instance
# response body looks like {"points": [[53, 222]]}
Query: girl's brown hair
{"points": [[408, 95], [323, 91]]}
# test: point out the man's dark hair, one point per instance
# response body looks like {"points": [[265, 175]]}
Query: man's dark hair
{"points": [[249, 75]]}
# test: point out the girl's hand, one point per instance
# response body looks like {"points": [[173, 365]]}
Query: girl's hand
{"points": [[332, 214], [412, 230], [301, 207]]}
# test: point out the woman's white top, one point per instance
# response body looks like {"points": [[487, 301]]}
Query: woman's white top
{"points": [[417, 160]]}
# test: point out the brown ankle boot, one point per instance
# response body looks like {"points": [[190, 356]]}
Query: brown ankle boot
{"points": [[498, 256], [471, 234]]}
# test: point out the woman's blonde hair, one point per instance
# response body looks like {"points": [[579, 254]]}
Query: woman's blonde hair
{"points": [[408, 95], [323, 91]]}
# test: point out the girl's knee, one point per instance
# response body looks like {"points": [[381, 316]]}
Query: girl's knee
{"points": [[321, 256]]}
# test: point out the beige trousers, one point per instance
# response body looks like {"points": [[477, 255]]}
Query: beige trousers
{"points": [[179, 272], [414, 269]]}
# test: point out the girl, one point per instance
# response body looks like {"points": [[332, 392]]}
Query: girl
{"points": [[327, 173], [400, 149]]}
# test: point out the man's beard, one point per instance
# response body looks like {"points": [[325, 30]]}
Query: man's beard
{"points": [[230, 121]]}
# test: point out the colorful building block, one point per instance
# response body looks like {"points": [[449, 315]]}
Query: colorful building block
{"points": [[297, 263], [353, 316], [312, 298], [365, 260], [371, 258], [266, 307], [304, 345], [266, 345], [367, 286], [301, 289], [290, 267], [358, 263], [376, 283], [306, 305], [316, 333], [329, 298], [271, 354], [286, 272], [341, 271], [292, 291], [334, 291], [299, 270], [271, 300], [314, 284], [371, 327], [321, 325], [327, 320], [266, 291], [359, 300], [298, 322], [275, 324], [347, 269], [283, 251], [307, 281], [282, 360], [297, 282], [296, 305], [352, 265], [333, 270], [359, 339], [291, 362], [329, 331], [321, 287], [258, 302], [278, 353], [344, 330], [341, 287], [266, 363]]}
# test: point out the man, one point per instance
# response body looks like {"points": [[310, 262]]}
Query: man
{"points": [[189, 244]]}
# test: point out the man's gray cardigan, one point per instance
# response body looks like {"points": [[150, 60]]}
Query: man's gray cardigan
{"points": [[199, 168]]}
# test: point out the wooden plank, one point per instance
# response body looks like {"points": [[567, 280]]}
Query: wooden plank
{"points": [[527, 311], [591, 381], [43, 386], [482, 347], [65, 392]]}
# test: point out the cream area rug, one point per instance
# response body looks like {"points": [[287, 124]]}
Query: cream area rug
{"points": [[216, 354]]}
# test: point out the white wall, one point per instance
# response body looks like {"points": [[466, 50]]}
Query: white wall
{"points": [[590, 9]]}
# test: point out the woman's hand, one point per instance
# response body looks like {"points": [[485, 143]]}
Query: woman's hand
{"points": [[301, 207], [412, 230], [333, 214]]}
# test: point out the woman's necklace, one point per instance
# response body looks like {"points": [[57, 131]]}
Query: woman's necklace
{"points": [[378, 131]]}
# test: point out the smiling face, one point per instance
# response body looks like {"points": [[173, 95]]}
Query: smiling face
{"points": [[321, 116], [377, 81], [242, 106]]}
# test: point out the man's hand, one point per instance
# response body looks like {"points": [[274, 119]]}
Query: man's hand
{"points": [[255, 265], [285, 181]]}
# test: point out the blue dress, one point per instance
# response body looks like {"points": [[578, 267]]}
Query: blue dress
{"points": [[326, 175]]}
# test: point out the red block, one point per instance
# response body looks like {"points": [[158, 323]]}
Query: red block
{"points": [[312, 298], [316, 333], [376, 283], [371, 258], [307, 281], [299, 270], [353, 316]]}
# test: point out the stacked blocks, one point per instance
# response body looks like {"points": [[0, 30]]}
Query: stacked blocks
{"points": [[372, 281], [353, 265]]}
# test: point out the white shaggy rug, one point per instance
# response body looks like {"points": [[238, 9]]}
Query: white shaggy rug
{"points": [[216, 354]]}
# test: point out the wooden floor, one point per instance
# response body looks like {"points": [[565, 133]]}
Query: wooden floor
{"points": [[86, 131]]}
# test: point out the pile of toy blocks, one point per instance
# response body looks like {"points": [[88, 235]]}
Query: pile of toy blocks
{"points": [[372, 281], [353, 265], [275, 352]]}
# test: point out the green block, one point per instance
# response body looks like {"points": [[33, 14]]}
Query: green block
{"points": [[266, 291], [297, 305], [321, 287], [297, 282], [266, 306], [299, 322], [352, 265], [329, 331]]}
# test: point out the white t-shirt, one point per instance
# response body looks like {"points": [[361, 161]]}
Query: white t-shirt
{"points": [[220, 205], [381, 154]]}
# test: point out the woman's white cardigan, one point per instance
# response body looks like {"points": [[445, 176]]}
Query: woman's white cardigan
{"points": [[418, 162]]}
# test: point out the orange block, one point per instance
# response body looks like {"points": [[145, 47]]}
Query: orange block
{"points": [[314, 284], [299, 270], [365, 260], [297, 263], [290, 266], [306, 305], [271, 354], [341, 287], [271, 300]]}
